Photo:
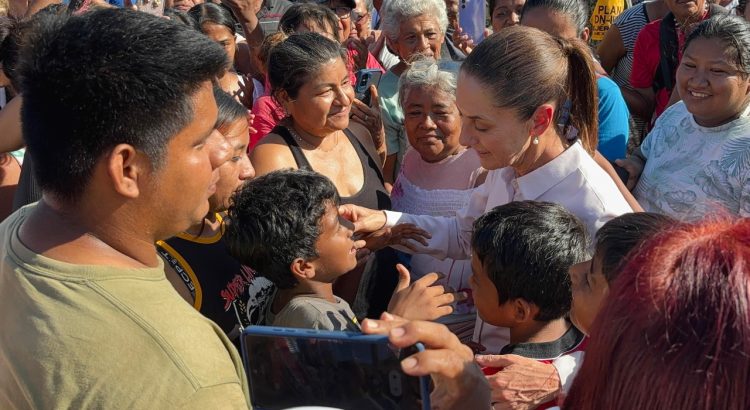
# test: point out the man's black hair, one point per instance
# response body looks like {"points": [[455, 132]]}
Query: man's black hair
{"points": [[275, 219], [104, 78], [526, 248]]}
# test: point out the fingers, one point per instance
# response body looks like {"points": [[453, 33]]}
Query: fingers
{"points": [[404, 278], [443, 363], [428, 279], [374, 98], [348, 212], [432, 335], [497, 360]]}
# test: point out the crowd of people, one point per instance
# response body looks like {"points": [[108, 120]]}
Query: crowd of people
{"points": [[560, 223]]}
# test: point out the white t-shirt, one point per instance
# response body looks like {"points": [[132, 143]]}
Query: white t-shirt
{"points": [[693, 171]]}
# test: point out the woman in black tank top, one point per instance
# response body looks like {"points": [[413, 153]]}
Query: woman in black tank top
{"points": [[310, 79]]}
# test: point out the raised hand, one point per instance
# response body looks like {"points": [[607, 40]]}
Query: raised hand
{"points": [[423, 299]]}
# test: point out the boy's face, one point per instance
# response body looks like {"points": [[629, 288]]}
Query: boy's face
{"points": [[337, 253], [590, 289], [486, 298]]}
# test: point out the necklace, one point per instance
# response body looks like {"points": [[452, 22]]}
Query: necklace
{"points": [[312, 146]]}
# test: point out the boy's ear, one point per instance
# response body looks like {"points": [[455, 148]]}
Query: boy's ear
{"points": [[302, 269], [523, 311]]}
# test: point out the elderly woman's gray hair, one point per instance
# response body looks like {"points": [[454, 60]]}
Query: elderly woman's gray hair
{"points": [[426, 74], [395, 12]]}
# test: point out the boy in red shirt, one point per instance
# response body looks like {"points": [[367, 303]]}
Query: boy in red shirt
{"points": [[521, 255]]}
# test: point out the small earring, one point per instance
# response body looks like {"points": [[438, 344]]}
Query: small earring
{"points": [[536, 140]]}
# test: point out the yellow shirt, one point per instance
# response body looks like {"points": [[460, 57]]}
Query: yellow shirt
{"points": [[83, 336]]}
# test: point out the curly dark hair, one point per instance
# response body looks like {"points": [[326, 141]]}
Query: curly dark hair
{"points": [[275, 219]]}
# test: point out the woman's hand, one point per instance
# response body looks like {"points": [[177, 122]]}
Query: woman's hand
{"points": [[364, 219], [423, 299], [458, 381], [370, 117], [523, 383], [398, 235], [634, 165], [463, 42]]}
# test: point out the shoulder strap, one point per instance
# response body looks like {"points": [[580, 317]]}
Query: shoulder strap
{"points": [[364, 153], [299, 156]]}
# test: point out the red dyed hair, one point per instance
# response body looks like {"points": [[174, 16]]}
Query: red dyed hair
{"points": [[675, 330]]}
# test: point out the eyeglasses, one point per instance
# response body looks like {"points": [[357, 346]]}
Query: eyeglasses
{"points": [[359, 17], [342, 11]]}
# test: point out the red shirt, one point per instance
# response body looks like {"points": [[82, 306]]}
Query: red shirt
{"points": [[646, 57], [268, 113]]}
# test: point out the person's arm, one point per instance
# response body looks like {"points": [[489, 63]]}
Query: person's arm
{"points": [[611, 49], [450, 236], [634, 164], [11, 137], [458, 381], [629, 198], [246, 12]]}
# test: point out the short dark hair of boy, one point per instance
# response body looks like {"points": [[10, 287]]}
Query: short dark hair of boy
{"points": [[623, 235], [104, 78], [275, 219], [526, 249]]}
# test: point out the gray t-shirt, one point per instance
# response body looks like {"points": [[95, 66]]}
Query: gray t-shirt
{"points": [[314, 313]]}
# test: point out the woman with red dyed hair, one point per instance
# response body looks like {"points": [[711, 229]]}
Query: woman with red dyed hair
{"points": [[675, 330]]}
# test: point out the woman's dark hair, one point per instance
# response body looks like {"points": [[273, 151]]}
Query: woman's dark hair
{"points": [[733, 32], [105, 78], [276, 218], [576, 10], [182, 18], [302, 13], [230, 110], [623, 235], [674, 332], [293, 62], [212, 13], [523, 68]]}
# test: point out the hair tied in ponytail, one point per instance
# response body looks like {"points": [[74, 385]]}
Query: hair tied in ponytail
{"points": [[568, 131]]}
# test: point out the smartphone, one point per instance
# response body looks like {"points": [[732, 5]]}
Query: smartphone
{"points": [[472, 18], [366, 78], [346, 370], [621, 172]]}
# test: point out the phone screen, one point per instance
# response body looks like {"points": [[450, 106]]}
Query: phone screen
{"points": [[472, 18], [345, 373]]}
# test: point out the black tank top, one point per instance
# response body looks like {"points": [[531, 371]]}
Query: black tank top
{"points": [[372, 195], [223, 290]]}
